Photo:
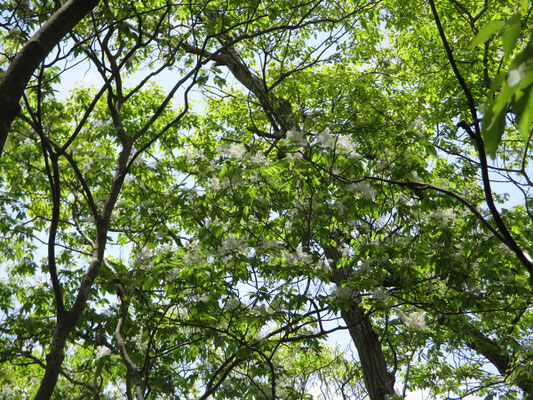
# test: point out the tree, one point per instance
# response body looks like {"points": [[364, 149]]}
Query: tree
{"points": [[336, 180]]}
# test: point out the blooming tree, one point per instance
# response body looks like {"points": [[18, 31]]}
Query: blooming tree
{"points": [[334, 178]]}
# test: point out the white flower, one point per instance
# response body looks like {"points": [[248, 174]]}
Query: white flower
{"points": [[380, 295], [236, 151], [345, 251], [87, 164], [345, 143], [443, 216], [259, 159], [364, 267], [294, 135], [301, 256], [101, 351], [325, 138], [416, 178], [214, 184], [416, 319], [144, 259], [269, 244], [203, 298], [321, 267], [362, 188], [232, 244], [194, 255], [139, 161], [297, 155], [173, 273], [233, 304], [193, 155], [343, 293]]}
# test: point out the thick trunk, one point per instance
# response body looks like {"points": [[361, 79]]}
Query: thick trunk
{"points": [[64, 326], [379, 382], [32, 54], [67, 321], [54, 359]]}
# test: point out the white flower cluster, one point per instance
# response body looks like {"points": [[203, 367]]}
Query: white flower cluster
{"points": [[444, 217], [233, 304], [232, 244], [300, 256], [193, 155], [343, 143], [173, 274], [345, 251], [364, 267], [216, 184], [363, 188], [101, 351], [321, 267], [380, 295], [296, 136], [296, 155], [346, 144], [144, 259], [203, 298], [259, 159], [27, 143], [193, 256], [416, 319], [236, 151], [269, 245], [344, 293], [325, 138], [217, 222]]}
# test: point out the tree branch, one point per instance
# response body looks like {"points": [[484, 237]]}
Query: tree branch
{"points": [[32, 54]]}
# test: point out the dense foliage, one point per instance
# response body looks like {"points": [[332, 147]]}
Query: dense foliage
{"points": [[244, 179]]}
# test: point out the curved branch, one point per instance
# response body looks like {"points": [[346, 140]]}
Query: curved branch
{"points": [[32, 54], [460, 79], [507, 238]]}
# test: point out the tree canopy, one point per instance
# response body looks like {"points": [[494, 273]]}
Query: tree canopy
{"points": [[244, 179]]}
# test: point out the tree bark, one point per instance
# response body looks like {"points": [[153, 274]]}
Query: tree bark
{"points": [[64, 326], [379, 382], [32, 54]]}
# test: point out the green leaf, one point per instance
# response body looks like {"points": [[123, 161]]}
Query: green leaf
{"points": [[220, 82], [486, 32], [493, 125], [202, 80], [525, 112], [511, 33]]}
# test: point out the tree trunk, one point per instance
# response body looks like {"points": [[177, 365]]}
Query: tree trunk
{"points": [[379, 382]]}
